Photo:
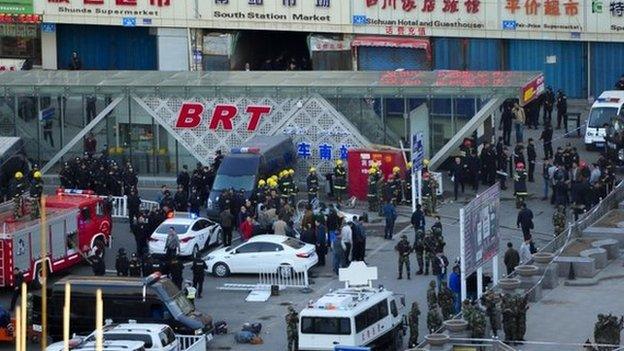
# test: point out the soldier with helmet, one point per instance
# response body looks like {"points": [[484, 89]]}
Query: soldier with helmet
{"points": [[433, 191], [312, 183], [340, 181], [559, 220], [36, 189], [520, 188], [404, 249], [292, 333]]}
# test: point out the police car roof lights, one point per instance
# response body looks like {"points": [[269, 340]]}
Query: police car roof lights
{"points": [[608, 99], [153, 278], [245, 150], [63, 191]]}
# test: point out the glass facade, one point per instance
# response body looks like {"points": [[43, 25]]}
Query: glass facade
{"points": [[51, 113]]}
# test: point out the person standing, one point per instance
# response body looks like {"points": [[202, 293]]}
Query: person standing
{"points": [[312, 183], [122, 265], [512, 258], [525, 251], [18, 279], [439, 267], [519, 120], [456, 174], [75, 63], [419, 249], [246, 228], [338, 249], [347, 238], [90, 144], [531, 157], [562, 110], [172, 244], [549, 104], [404, 249], [198, 268], [390, 215], [455, 287], [413, 325], [133, 204], [321, 241], [175, 271], [525, 221], [97, 263], [506, 122], [292, 329], [227, 222], [418, 219], [184, 178], [340, 181], [134, 266]]}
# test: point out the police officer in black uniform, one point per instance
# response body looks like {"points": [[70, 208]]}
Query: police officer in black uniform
{"points": [[134, 267], [175, 272], [198, 268], [122, 265], [313, 185]]}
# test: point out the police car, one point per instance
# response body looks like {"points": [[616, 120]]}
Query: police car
{"points": [[195, 233], [604, 109], [358, 315]]}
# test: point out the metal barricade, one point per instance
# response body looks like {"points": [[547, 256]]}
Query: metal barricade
{"points": [[291, 280]]}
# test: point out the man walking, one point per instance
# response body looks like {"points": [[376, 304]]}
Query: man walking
{"points": [[512, 258], [227, 222], [456, 173], [389, 212], [198, 268], [531, 157], [418, 219], [525, 221], [172, 245], [562, 110]]}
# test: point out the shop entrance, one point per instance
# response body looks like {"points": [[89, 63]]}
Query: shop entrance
{"points": [[272, 51]]}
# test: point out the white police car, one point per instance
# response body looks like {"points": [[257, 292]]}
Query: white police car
{"points": [[195, 233]]}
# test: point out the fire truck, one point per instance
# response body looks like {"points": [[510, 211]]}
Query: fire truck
{"points": [[76, 223]]}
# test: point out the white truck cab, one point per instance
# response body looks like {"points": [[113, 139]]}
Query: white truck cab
{"points": [[358, 315], [604, 109]]}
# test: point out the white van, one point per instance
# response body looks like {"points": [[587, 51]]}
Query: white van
{"points": [[358, 315], [605, 108]]}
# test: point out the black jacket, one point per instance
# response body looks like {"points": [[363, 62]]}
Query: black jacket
{"points": [[525, 218]]}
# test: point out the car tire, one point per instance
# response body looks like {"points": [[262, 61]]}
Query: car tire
{"points": [[220, 270], [285, 271]]}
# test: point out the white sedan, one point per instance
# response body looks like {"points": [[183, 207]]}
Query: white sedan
{"points": [[194, 233], [261, 254]]}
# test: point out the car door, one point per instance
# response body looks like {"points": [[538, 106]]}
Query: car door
{"points": [[270, 257], [202, 232], [245, 258]]}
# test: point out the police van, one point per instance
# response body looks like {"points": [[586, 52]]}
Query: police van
{"points": [[358, 315], [603, 110]]}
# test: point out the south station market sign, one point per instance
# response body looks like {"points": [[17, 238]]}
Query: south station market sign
{"points": [[594, 20]]}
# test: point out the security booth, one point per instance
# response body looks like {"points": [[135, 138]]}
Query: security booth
{"points": [[161, 121]]}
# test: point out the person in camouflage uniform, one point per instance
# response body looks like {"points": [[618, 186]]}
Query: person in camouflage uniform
{"points": [[431, 245], [434, 318], [412, 321], [559, 220], [491, 300], [475, 318], [292, 321], [521, 305], [372, 195], [509, 322], [432, 296], [419, 248], [404, 249], [426, 193], [607, 330], [445, 300], [433, 190], [36, 189]]}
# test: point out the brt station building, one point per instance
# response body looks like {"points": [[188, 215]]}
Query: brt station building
{"points": [[161, 121]]}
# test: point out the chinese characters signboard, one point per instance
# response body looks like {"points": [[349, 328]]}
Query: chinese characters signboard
{"points": [[522, 19], [19, 7]]}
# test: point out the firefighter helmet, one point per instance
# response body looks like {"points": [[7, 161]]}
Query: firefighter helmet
{"points": [[409, 165], [291, 171], [396, 169], [37, 175], [261, 182], [18, 175], [372, 170], [338, 162], [426, 162]]}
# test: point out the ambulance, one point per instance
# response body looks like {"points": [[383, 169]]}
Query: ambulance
{"points": [[607, 107], [357, 315]]}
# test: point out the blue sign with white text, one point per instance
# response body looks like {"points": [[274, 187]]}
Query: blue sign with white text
{"points": [[418, 151], [129, 21], [510, 25], [48, 27], [359, 19]]}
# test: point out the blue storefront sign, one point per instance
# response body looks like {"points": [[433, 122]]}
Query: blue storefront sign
{"points": [[510, 25], [129, 21], [359, 20], [48, 27], [418, 151]]}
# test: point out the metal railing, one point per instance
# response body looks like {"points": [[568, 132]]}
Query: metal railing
{"points": [[292, 279], [574, 230], [192, 342]]}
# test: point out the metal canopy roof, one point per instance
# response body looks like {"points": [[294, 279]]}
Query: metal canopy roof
{"points": [[327, 83]]}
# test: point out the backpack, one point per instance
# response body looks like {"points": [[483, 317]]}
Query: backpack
{"points": [[220, 327], [243, 337]]}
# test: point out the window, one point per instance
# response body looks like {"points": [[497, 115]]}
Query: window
{"points": [[294, 243], [371, 316], [326, 325], [270, 247], [164, 228], [146, 339], [99, 209], [393, 308], [85, 214], [199, 225], [249, 248], [598, 116]]}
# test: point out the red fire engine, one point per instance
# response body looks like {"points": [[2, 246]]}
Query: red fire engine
{"points": [[76, 223]]}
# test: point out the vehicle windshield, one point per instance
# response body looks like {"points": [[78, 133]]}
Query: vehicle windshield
{"points": [[237, 172], [601, 115], [146, 339], [177, 297], [294, 243], [223, 182], [179, 228]]}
